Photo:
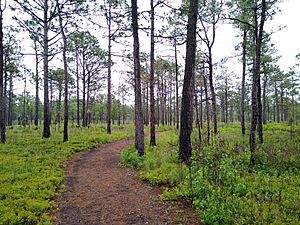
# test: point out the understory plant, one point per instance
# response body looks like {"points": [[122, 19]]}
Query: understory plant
{"points": [[32, 168], [218, 182]]}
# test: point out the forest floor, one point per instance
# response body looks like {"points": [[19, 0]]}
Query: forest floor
{"points": [[99, 192]]}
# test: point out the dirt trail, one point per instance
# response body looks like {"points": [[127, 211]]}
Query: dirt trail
{"points": [[99, 192]]}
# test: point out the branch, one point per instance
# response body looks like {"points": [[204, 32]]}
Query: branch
{"points": [[240, 21]]}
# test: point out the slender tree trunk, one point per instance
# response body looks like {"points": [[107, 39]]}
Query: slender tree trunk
{"points": [[124, 109], [170, 103], [83, 93], [256, 114], [260, 114], [157, 105], [108, 117], [281, 104], [277, 103], [2, 105], [212, 91], [176, 81], [152, 100], [5, 89], [24, 105], [197, 117], [87, 107], [119, 113], [10, 100], [226, 99], [147, 104], [207, 109], [265, 100], [162, 105], [46, 130], [186, 121], [66, 93], [201, 107], [223, 119], [139, 126], [36, 118], [77, 89], [243, 90]]}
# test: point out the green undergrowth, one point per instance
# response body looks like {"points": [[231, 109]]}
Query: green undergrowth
{"points": [[31, 168], [159, 164], [218, 182]]}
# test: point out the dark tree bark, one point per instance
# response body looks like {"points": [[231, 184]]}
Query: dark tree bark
{"points": [[186, 120], [260, 113], [87, 107], [2, 102], [276, 104], [243, 90], [201, 107], [255, 120], [46, 130], [36, 118], [24, 105], [281, 104], [226, 99], [176, 83], [83, 93], [10, 100], [152, 100], [264, 117], [66, 93], [212, 91], [77, 89], [108, 117], [139, 126], [197, 117], [207, 109]]}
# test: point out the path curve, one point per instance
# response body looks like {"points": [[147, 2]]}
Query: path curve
{"points": [[99, 192]]}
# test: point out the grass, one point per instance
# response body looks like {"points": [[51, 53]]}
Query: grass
{"points": [[218, 182], [31, 168]]}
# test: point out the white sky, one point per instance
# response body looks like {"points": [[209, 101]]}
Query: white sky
{"points": [[286, 41]]}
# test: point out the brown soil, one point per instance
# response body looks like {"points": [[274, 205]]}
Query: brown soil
{"points": [[98, 192]]}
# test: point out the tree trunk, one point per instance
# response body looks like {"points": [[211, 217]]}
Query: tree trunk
{"points": [[255, 120], [2, 105], [259, 108], [201, 107], [152, 100], [277, 103], [66, 93], [243, 90], [281, 104], [176, 81], [265, 100], [83, 93], [108, 117], [77, 88], [139, 126], [46, 130], [212, 91], [207, 109], [226, 99], [222, 109], [24, 105], [10, 100], [197, 118], [36, 118], [87, 107], [186, 120]]}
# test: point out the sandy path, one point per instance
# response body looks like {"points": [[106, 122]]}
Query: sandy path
{"points": [[100, 192]]}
